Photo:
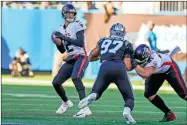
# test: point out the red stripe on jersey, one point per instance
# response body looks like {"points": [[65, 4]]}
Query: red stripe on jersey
{"points": [[166, 63], [75, 56], [82, 64], [84, 51], [178, 77], [177, 74]]}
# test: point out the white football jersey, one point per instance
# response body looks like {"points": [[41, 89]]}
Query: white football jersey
{"points": [[70, 31], [160, 61]]}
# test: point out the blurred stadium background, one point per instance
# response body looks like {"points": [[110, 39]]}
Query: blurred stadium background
{"points": [[29, 25]]}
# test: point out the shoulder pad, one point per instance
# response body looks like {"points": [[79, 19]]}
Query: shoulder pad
{"points": [[79, 25]]}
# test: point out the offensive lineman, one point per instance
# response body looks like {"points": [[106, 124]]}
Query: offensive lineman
{"points": [[156, 68], [70, 38]]}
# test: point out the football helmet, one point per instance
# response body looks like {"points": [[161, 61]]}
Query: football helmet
{"points": [[142, 55], [117, 30], [68, 8]]}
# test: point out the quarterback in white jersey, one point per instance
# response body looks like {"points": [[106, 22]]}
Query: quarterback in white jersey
{"points": [[70, 38], [70, 31], [156, 68]]}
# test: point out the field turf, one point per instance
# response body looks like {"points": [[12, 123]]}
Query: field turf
{"points": [[37, 105]]}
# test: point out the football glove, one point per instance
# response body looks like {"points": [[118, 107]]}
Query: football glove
{"points": [[59, 35], [133, 61]]}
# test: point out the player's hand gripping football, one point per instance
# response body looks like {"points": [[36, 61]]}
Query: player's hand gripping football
{"points": [[57, 37]]}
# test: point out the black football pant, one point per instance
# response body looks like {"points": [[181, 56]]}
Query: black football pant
{"points": [[75, 70], [114, 72], [173, 76]]}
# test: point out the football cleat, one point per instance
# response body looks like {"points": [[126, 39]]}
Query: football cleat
{"points": [[64, 106], [87, 101], [127, 116], [170, 116], [83, 113]]}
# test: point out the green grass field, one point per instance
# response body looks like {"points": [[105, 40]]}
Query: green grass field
{"points": [[33, 105]]}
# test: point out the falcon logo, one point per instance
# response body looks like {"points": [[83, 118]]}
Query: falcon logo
{"points": [[145, 53]]}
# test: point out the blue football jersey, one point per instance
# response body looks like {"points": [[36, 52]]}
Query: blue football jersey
{"points": [[114, 49]]}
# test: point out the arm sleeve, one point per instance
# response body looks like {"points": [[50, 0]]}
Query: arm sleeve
{"points": [[79, 41], [61, 48]]}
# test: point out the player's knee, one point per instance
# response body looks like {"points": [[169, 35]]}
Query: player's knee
{"points": [[183, 96], [56, 81], [146, 95], [75, 78], [151, 97], [78, 83]]}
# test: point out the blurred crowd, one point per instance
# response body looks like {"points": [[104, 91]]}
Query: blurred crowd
{"points": [[58, 4], [110, 8]]}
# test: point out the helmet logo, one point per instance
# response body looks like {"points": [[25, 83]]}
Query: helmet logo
{"points": [[145, 53]]}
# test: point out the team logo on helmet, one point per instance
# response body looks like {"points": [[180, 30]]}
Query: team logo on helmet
{"points": [[146, 52], [142, 54]]}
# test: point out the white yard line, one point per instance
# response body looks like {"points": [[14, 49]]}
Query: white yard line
{"points": [[58, 101], [16, 81], [96, 105], [95, 111]]}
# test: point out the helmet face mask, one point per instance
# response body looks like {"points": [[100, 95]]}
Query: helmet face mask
{"points": [[69, 13], [117, 30], [142, 55]]}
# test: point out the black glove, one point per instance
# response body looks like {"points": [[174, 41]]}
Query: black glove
{"points": [[58, 34], [133, 61]]}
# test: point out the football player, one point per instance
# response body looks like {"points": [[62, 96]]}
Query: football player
{"points": [[156, 68], [113, 52], [70, 38]]}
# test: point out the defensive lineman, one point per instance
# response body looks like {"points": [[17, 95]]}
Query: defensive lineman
{"points": [[113, 52]]}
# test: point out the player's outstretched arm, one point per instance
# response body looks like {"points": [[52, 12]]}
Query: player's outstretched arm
{"points": [[94, 54], [144, 72]]}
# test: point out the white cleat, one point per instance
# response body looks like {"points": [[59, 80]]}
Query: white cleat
{"points": [[87, 101], [64, 106], [83, 113], [127, 116]]}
